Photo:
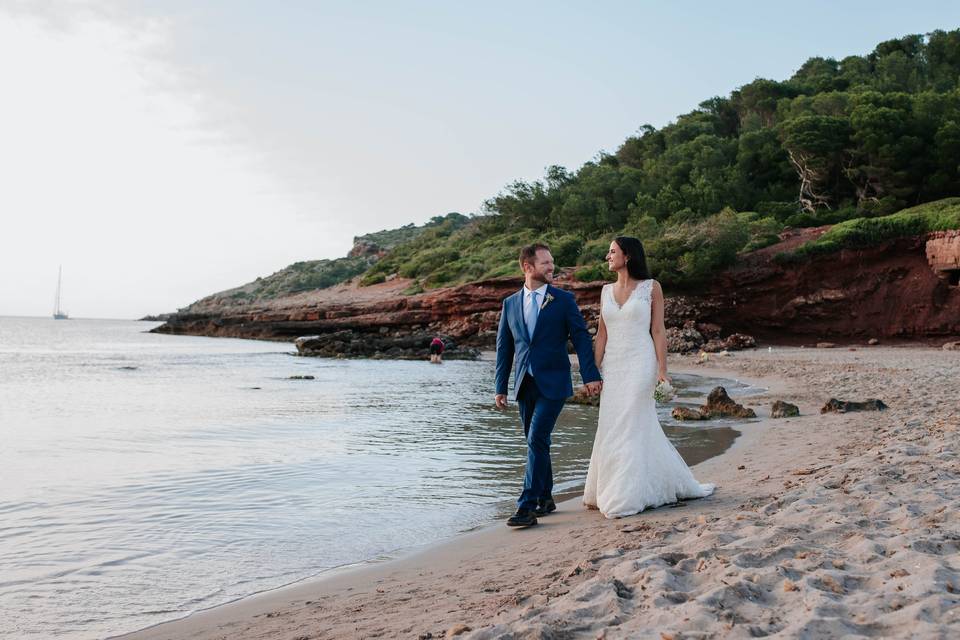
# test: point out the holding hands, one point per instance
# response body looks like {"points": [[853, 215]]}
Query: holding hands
{"points": [[593, 389]]}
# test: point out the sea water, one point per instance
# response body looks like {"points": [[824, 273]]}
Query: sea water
{"points": [[145, 476]]}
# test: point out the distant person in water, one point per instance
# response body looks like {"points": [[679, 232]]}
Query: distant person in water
{"points": [[436, 351]]}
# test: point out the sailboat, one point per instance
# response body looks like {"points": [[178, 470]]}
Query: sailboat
{"points": [[58, 313]]}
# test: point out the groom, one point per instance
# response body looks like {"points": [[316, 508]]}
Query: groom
{"points": [[535, 324]]}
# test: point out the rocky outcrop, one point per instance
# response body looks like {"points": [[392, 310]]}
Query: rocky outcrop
{"points": [[365, 249], [719, 405], [733, 342], [686, 414], [843, 406], [381, 345], [468, 315], [781, 409], [704, 336], [943, 255], [684, 340]]}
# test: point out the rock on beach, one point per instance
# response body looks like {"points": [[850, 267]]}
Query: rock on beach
{"points": [[843, 406], [719, 405], [781, 409]]}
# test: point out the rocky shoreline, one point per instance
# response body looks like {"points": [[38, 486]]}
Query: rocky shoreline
{"points": [[348, 344], [893, 291], [401, 327]]}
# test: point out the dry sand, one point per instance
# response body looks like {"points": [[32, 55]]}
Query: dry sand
{"points": [[833, 526]]}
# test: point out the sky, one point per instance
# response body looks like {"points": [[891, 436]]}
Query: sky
{"points": [[161, 151]]}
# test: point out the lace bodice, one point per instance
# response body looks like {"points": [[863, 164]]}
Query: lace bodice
{"points": [[629, 344]]}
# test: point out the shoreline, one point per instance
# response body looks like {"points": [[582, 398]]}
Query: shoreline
{"points": [[801, 537], [364, 573]]}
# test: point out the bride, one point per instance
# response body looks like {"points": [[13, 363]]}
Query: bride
{"points": [[633, 466]]}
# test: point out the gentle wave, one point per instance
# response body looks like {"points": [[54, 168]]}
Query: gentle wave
{"points": [[144, 476]]}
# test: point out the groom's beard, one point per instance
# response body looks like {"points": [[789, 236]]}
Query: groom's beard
{"points": [[544, 277]]}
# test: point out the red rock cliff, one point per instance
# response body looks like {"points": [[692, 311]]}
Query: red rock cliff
{"points": [[889, 290], [883, 291]]}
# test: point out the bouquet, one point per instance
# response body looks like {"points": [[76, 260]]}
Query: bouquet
{"points": [[663, 392]]}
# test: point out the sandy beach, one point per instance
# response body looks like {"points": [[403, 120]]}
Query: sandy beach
{"points": [[823, 526]]}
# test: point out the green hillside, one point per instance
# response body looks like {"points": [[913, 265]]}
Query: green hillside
{"points": [[841, 141], [846, 142], [310, 275], [297, 278]]}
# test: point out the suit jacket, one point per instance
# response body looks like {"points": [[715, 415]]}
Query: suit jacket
{"points": [[559, 320]]}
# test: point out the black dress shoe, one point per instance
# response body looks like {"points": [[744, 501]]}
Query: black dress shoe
{"points": [[522, 518], [545, 506]]}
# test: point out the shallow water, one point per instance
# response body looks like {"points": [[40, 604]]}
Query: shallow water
{"points": [[145, 476]]}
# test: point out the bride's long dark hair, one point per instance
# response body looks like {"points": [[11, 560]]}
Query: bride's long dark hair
{"points": [[636, 257]]}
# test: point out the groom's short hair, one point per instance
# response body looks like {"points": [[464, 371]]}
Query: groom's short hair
{"points": [[529, 252]]}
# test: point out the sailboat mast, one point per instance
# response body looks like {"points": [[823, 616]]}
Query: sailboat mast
{"points": [[56, 308], [58, 313]]}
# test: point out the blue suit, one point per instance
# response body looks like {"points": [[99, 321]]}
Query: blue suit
{"points": [[540, 397]]}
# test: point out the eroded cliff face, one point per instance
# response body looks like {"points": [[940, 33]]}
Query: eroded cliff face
{"points": [[366, 325], [465, 312], [943, 255], [891, 290]]}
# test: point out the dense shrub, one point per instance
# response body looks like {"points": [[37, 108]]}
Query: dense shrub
{"points": [[864, 232], [566, 250], [372, 278], [595, 272], [823, 217], [762, 232], [689, 255], [595, 250]]}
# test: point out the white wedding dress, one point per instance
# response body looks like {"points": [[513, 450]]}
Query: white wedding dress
{"points": [[633, 466]]}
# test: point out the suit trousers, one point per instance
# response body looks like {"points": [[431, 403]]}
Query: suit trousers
{"points": [[539, 415]]}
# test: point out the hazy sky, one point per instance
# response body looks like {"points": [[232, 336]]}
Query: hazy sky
{"points": [[162, 151]]}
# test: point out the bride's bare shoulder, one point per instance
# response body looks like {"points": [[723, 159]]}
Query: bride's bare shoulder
{"points": [[655, 287]]}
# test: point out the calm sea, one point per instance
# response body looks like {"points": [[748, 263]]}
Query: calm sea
{"points": [[146, 476]]}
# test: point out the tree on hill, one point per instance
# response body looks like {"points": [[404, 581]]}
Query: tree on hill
{"points": [[850, 139], [866, 134]]}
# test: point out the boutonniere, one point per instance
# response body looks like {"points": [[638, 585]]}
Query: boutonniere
{"points": [[546, 300]]}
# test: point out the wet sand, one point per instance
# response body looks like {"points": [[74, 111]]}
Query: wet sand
{"points": [[835, 525]]}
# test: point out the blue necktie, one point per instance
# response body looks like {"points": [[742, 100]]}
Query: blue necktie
{"points": [[532, 313]]}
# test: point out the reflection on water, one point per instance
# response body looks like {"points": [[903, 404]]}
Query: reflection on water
{"points": [[146, 476]]}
